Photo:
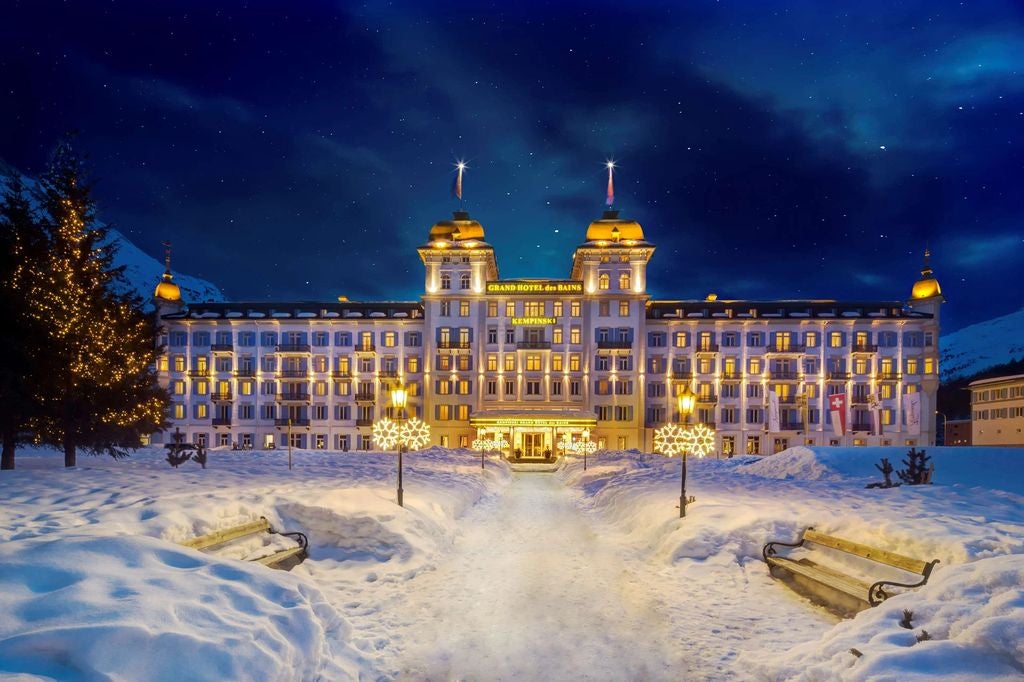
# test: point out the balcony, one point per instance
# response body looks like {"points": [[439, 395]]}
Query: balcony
{"points": [[300, 348], [341, 374], [889, 376], [199, 373], [608, 344], [784, 374], [707, 398], [732, 376], [707, 348], [795, 348], [366, 397], [299, 421], [791, 426], [533, 345], [838, 376], [861, 426], [388, 374], [865, 348], [454, 345], [222, 421], [294, 396], [789, 400], [365, 348], [293, 373], [223, 348], [221, 397], [682, 375], [247, 372], [364, 422]]}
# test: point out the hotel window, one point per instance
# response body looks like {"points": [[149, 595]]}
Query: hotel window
{"points": [[201, 387], [929, 365], [444, 337], [320, 338], [556, 309], [161, 363], [178, 387], [446, 280], [463, 337], [464, 387], [885, 391], [755, 415], [200, 411], [755, 390], [730, 339], [655, 389], [624, 281], [705, 366], [835, 340], [464, 280], [861, 366], [179, 363], [811, 339], [268, 388], [510, 336], [446, 308], [574, 387], [510, 387], [574, 335], [178, 411], [603, 309], [811, 391], [556, 335], [887, 417], [465, 363], [623, 413], [679, 339], [754, 366], [603, 281], [602, 363], [342, 339], [624, 387], [442, 387], [492, 336], [492, 362], [462, 414], [268, 363], [755, 339], [911, 365], [492, 387], [443, 412], [492, 309], [655, 364], [533, 387], [342, 388], [463, 308], [319, 412], [246, 387], [623, 308], [320, 388], [366, 364], [202, 363], [574, 308], [729, 415], [574, 362], [389, 339], [320, 363], [510, 308], [412, 364], [556, 363], [810, 366], [625, 363], [533, 362], [556, 388], [246, 411], [533, 309], [510, 362], [730, 390], [444, 362]]}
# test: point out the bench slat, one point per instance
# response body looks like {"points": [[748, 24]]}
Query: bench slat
{"points": [[824, 575], [872, 553], [227, 534], [278, 557]]}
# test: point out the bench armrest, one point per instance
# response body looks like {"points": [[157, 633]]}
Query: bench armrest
{"points": [[877, 593], [769, 549]]}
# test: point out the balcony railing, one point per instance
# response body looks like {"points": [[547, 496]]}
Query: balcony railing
{"points": [[786, 348], [221, 396], [222, 421], [784, 374], [223, 348], [293, 348], [248, 372], [707, 348], [366, 397], [299, 421], [388, 374], [533, 345], [791, 426], [861, 426], [788, 399], [865, 348], [293, 396], [889, 376], [707, 398], [732, 376], [614, 345], [341, 374], [199, 373], [293, 373], [453, 345], [838, 376], [682, 375], [365, 348], [364, 422]]}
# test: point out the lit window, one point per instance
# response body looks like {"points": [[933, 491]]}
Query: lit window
{"points": [[929, 365], [835, 339], [178, 411], [574, 362], [492, 309], [811, 339], [556, 309], [510, 308], [492, 362], [556, 363], [510, 362], [624, 281], [533, 362], [556, 335], [603, 281], [574, 309], [574, 335], [463, 308], [623, 308]]}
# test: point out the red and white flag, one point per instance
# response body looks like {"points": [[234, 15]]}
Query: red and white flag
{"points": [[837, 410]]}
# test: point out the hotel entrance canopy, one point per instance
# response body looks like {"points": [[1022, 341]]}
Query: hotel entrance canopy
{"points": [[540, 419]]}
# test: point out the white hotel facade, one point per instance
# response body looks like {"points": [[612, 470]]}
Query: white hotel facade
{"points": [[536, 359]]}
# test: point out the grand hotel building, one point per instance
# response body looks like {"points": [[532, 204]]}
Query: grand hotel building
{"points": [[536, 359]]}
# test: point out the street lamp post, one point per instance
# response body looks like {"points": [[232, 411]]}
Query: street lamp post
{"points": [[940, 414], [685, 402], [399, 399], [586, 439]]}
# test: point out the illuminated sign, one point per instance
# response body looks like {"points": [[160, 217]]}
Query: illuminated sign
{"points": [[552, 421], [518, 321], [535, 286]]}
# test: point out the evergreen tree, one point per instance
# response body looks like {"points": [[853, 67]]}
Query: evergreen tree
{"points": [[22, 241], [99, 392]]}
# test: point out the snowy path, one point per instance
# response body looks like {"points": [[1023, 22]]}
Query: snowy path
{"points": [[535, 588]]}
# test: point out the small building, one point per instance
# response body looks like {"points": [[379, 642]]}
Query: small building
{"points": [[957, 432], [997, 411]]}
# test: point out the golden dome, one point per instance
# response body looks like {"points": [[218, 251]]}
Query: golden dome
{"points": [[927, 286], [460, 228], [166, 289], [610, 228]]}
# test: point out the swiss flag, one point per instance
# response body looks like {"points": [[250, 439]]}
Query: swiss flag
{"points": [[837, 408]]}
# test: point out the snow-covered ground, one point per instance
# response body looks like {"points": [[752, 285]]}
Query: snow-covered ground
{"points": [[499, 575]]}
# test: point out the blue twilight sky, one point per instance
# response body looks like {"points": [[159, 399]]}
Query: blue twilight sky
{"points": [[770, 149]]}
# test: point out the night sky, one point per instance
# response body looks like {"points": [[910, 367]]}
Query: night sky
{"points": [[769, 149]]}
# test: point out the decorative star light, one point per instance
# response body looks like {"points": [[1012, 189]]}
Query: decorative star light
{"points": [[415, 434], [669, 440], [699, 440], [385, 434]]}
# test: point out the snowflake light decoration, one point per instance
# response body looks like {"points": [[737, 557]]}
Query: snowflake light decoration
{"points": [[385, 434], [499, 443], [415, 434], [669, 440], [566, 445], [481, 444], [585, 447], [699, 440]]}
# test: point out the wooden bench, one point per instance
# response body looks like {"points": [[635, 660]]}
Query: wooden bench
{"points": [[293, 555], [874, 593]]}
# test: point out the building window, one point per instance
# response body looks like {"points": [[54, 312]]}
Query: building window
{"points": [[679, 339], [533, 387], [492, 336], [556, 363], [464, 280], [463, 308], [510, 387], [753, 445], [835, 340], [556, 335], [510, 308], [603, 309], [574, 362], [574, 388], [623, 308], [603, 281], [533, 362], [492, 362], [556, 388], [624, 281], [446, 280], [556, 309], [446, 308], [492, 309], [389, 339], [510, 362], [574, 308]]}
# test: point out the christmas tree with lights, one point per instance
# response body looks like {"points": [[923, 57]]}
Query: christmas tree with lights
{"points": [[98, 391]]}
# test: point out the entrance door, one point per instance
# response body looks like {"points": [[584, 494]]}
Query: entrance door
{"points": [[533, 445]]}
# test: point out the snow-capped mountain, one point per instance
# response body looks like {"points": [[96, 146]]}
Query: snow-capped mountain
{"points": [[972, 349], [141, 271]]}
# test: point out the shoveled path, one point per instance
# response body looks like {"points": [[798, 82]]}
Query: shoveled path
{"points": [[531, 590]]}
